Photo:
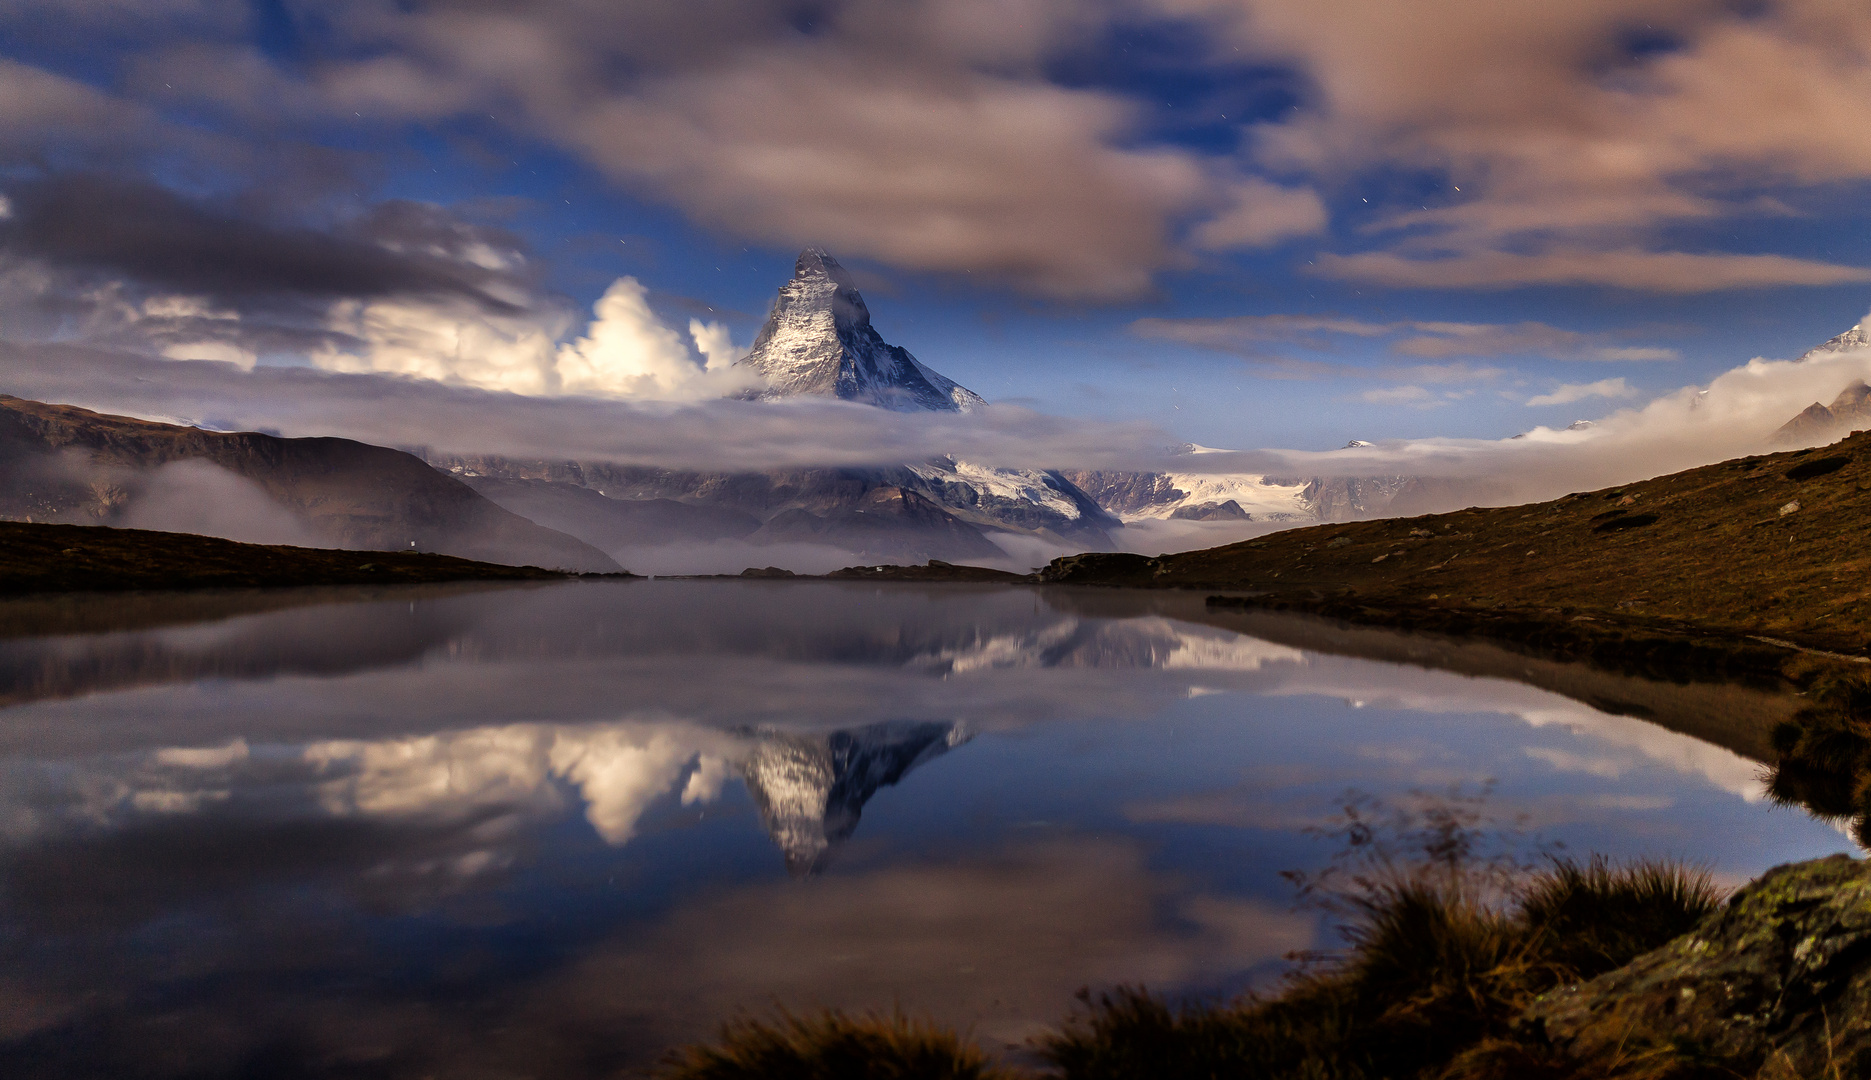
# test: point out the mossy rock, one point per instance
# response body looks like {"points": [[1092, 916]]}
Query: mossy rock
{"points": [[1779, 979]]}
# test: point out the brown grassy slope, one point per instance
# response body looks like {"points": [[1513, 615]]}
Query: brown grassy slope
{"points": [[75, 558], [1707, 550]]}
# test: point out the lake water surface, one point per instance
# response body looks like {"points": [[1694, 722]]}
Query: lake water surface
{"points": [[551, 831]]}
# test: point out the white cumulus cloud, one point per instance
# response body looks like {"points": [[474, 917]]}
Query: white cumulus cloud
{"points": [[625, 352]]}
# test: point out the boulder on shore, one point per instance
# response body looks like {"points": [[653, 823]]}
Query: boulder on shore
{"points": [[1778, 980]]}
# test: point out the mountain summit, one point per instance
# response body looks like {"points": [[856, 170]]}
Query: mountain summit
{"points": [[819, 340]]}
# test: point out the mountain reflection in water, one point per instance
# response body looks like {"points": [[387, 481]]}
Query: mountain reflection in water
{"points": [[811, 789], [519, 831]]}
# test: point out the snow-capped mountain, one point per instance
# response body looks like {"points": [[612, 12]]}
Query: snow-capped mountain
{"points": [[820, 341], [1197, 496]]}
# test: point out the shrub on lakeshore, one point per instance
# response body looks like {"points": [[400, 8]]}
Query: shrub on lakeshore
{"points": [[831, 1045], [1429, 987], [1596, 916]]}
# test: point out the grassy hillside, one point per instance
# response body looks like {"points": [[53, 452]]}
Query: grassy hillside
{"points": [[1769, 547], [76, 558]]}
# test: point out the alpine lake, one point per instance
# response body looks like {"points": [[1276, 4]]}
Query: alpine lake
{"points": [[554, 830]]}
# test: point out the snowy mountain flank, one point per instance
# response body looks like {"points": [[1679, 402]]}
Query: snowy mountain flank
{"points": [[819, 341]]}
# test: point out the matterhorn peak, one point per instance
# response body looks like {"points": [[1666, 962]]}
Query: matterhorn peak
{"points": [[819, 341]]}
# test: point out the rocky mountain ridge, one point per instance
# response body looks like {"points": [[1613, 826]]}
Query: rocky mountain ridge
{"points": [[63, 464], [818, 341]]}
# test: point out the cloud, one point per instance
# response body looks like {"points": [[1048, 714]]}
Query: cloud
{"points": [[1554, 148], [1251, 336], [159, 239], [1566, 152], [1733, 415], [457, 417], [447, 342], [1241, 333], [1442, 339], [1402, 395], [1571, 392], [926, 170], [930, 139], [1651, 271], [1262, 214], [404, 288], [712, 341], [626, 351], [45, 108], [198, 497]]}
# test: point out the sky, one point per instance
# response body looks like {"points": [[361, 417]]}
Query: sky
{"points": [[1248, 224]]}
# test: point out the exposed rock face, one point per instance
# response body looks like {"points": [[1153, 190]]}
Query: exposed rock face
{"points": [[1128, 494], [1821, 423], [1145, 496], [819, 341], [886, 522], [64, 464], [810, 790], [1351, 498], [979, 502], [1781, 976], [1211, 511]]}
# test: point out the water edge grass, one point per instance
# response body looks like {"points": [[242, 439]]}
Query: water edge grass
{"points": [[1439, 964]]}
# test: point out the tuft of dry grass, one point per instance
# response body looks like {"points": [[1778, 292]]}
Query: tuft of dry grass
{"points": [[832, 1045], [1596, 916], [1439, 964], [1436, 972]]}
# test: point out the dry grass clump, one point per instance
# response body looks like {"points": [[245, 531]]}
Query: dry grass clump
{"points": [[1448, 936], [831, 1045], [1435, 974]]}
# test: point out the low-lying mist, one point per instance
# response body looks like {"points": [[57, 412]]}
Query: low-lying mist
{"points": [[1735, 414], [202, 498]]}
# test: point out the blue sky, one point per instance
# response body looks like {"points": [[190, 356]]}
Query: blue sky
{"points": [[1249, 222]]}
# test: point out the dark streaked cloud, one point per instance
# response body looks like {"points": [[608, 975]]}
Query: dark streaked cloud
{"points": [[1257, 337], [138, 231]]}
